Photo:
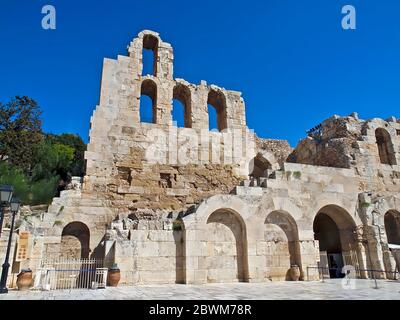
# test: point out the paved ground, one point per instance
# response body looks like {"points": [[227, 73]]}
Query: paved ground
{"points": [[330, 289]]}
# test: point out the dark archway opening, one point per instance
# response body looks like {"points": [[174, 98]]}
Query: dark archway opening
{"points": [[327, 233], [392, 227], [259, 167], [385, 147]]}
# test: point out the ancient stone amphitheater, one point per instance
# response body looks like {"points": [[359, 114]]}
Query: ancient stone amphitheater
{"points": [[190, 205]]}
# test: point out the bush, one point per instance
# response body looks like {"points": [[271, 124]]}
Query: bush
{"points": [[15, 177], [43, 191]]}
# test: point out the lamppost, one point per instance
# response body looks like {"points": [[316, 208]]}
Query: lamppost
{"points": [[14, 204], [6, 192]]}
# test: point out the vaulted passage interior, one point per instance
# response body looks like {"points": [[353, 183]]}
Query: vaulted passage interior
{"points": [[75, 239], [226, 259], [385, 147], [334, 229]]}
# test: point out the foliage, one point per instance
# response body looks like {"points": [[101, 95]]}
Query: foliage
{"points": [[297, 174], [177, 225], [15, 177], [51, 159], [35, 163], [365, 205], [77, 166], [33, 193], [20, 130], [57, 223], [43, 191]]}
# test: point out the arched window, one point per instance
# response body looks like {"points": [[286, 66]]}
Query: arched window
{"points": [[392, 227], [181, 106], [148, 101], [385, 147], [216, 100], [149, 55], [259, 167]]}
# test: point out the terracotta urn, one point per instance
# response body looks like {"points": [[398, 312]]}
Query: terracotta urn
{"points": [[24, 279], [294, 272], [113, 276]]}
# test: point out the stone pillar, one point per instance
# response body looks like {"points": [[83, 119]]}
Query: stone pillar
{"points": [[195, 258], [396, 255], [362, 259], [388, 261], [373, 248], [309, 251]]}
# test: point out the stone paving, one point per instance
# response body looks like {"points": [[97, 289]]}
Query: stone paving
{"points": [[329, 290]]}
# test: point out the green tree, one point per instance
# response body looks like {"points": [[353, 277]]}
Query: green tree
{"points": [[20, 130], [77, 166], [36, 164], [14, 176], [52, 159]]}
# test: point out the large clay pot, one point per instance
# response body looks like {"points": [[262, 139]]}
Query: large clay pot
{"points": [[113, 277], [294, 273], [24, 280]]}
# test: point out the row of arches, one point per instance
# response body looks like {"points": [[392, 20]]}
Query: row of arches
{"points": [[227, 248], [333, 227], [182, 106]]}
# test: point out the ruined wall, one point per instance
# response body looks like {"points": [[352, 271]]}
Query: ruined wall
{"points": [[349, 142], [123, 150], [182, 205], [280, 149]]}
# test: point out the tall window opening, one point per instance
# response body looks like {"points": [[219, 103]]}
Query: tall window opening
{"points": [[148, 101], [385, 147], [149, 55], [217, 117], [181, 106]]}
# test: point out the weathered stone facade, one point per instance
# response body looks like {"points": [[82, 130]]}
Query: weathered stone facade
{"points": [[248, 216]]}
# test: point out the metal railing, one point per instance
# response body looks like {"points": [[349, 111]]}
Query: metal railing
{"points": [[71, 274], [371, 272]]}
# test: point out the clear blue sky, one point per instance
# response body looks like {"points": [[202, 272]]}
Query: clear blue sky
{"points": [[291, 59]]}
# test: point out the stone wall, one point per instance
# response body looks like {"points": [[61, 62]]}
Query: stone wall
{"points": [[183, 205]]}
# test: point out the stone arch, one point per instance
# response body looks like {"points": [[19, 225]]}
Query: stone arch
{"points": [[335, 230], [149, 88], [282, 240], [392, 226], [182, 93], [75, 241], [206, 207], [151, 42], [385, 147], [217, 100], [259, 166], [226, 259], [196, 235]]}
